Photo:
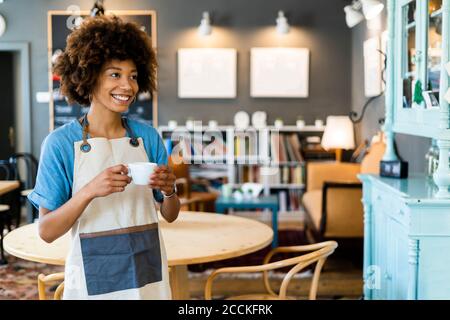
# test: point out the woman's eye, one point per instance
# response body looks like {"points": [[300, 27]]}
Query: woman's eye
{"points": [[134, 77], [115, 75]]}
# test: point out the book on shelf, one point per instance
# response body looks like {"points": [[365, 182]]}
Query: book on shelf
{"points": [[285, 148]]}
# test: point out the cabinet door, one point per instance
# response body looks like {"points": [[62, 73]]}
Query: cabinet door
{"points": [[379, 249], [434, 50], [411, 115], [396, 274]]}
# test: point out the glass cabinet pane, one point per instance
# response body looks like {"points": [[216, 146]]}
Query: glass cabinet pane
{"points": [[409, 50], [434, 46]]}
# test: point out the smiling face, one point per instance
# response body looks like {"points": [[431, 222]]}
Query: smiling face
{"points": [[117, 85]]}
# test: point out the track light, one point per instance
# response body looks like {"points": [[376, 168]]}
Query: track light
{"points": [[205, 28], [282, 23], [370, 9]]}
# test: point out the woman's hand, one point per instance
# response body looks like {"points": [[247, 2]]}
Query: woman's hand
{"points": [[111, 180], [163, 179]]}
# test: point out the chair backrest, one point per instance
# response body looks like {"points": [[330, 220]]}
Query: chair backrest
{"points": [[31, 167], [319, 172], [371, 161], [318, 253], [181, 171], [43, 280], [6, 170]]}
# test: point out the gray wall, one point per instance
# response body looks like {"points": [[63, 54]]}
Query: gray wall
{"points": [[317, 24], [410, 148]]}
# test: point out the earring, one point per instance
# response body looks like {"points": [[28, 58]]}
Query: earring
{"points": [[134, 100], [90, 98]]}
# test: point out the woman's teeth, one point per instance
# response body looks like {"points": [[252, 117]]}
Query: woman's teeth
{"points": [[120, 97]]}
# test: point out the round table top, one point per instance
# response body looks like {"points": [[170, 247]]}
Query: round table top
{"points": [[195, 237]]}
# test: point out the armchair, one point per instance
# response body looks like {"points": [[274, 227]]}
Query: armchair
{"points": [[333, 198]]}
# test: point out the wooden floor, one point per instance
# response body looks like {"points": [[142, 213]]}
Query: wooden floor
{"points": [[341, 277]]}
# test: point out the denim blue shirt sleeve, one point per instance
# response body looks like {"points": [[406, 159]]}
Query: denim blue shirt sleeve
{"points": [[55, 173]]}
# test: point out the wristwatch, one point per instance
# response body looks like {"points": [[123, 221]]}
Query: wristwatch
{"points": [[174, 192]]}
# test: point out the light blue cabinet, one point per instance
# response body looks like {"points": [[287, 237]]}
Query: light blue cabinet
{"points": [[407, 239], [407, 221]]}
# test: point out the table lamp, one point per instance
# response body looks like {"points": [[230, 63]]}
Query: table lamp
{"points": [[338, 135]]}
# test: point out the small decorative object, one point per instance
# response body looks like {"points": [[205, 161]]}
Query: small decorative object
{"points": [[318, 123], [259, 119], [241, 120], [238, 195], [418, 98], [431, 99], [172, 124], [300, 122], [190, 124], [226, 190], [252, 190], [212, 124], [278, 123], [394, 169]]}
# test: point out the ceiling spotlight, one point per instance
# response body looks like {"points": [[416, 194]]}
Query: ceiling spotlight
{"points": [[370, 9], [282, 23], [205, 28], [352, 16]]}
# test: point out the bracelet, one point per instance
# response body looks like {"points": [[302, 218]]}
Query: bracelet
{"points": [[174, 192]]}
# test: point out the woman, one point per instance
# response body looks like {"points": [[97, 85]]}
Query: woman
{"points": [[82, 183]]}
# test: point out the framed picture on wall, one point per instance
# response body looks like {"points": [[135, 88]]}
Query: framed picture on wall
{"points": [[372, 67], [207, 73], [279, 72]]}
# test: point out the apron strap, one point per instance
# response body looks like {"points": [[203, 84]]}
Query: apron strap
{"points": [[86, 147]]}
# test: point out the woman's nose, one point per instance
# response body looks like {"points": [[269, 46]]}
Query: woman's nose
{"points": [[126, 84]]}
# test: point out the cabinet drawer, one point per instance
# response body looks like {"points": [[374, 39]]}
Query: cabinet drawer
{"points": [[391, 205]]}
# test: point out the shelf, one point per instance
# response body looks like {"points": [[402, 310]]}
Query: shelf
{"points": [[225, 128], [276, 186]]}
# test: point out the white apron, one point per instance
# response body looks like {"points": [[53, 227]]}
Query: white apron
{"points": [[117, 250]]}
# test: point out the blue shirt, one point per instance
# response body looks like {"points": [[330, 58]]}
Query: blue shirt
{"points": [[54, 179]]}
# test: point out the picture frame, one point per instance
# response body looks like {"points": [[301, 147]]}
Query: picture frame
{"points": [[279, 72], [207, 73], [431, 100]]}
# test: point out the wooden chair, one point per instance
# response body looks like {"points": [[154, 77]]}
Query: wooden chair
{"points": [[319, 253], [191, 200], [4, 209], [27, 184], [44, 280]]}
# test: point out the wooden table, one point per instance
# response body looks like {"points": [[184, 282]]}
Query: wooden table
{"points": [[8, 185], [195, 237], [262, 202]]}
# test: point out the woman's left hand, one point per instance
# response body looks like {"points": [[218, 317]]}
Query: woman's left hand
{"points": [[163, 179]]}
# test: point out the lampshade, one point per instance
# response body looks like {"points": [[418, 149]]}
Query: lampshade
{"points": [[204, 29], [371, 8], [282, 23], [338, 133], [352, 16]]}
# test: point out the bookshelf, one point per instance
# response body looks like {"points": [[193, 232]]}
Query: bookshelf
{"points": [[275, 157]]}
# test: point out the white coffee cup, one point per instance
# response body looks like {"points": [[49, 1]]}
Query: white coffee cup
{"points": [[140, 172]]}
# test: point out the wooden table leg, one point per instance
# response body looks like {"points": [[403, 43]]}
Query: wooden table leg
{"points": [[179, 282]]}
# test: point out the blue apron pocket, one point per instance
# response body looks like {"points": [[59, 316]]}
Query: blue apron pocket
{"points": [[121, 259]]}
